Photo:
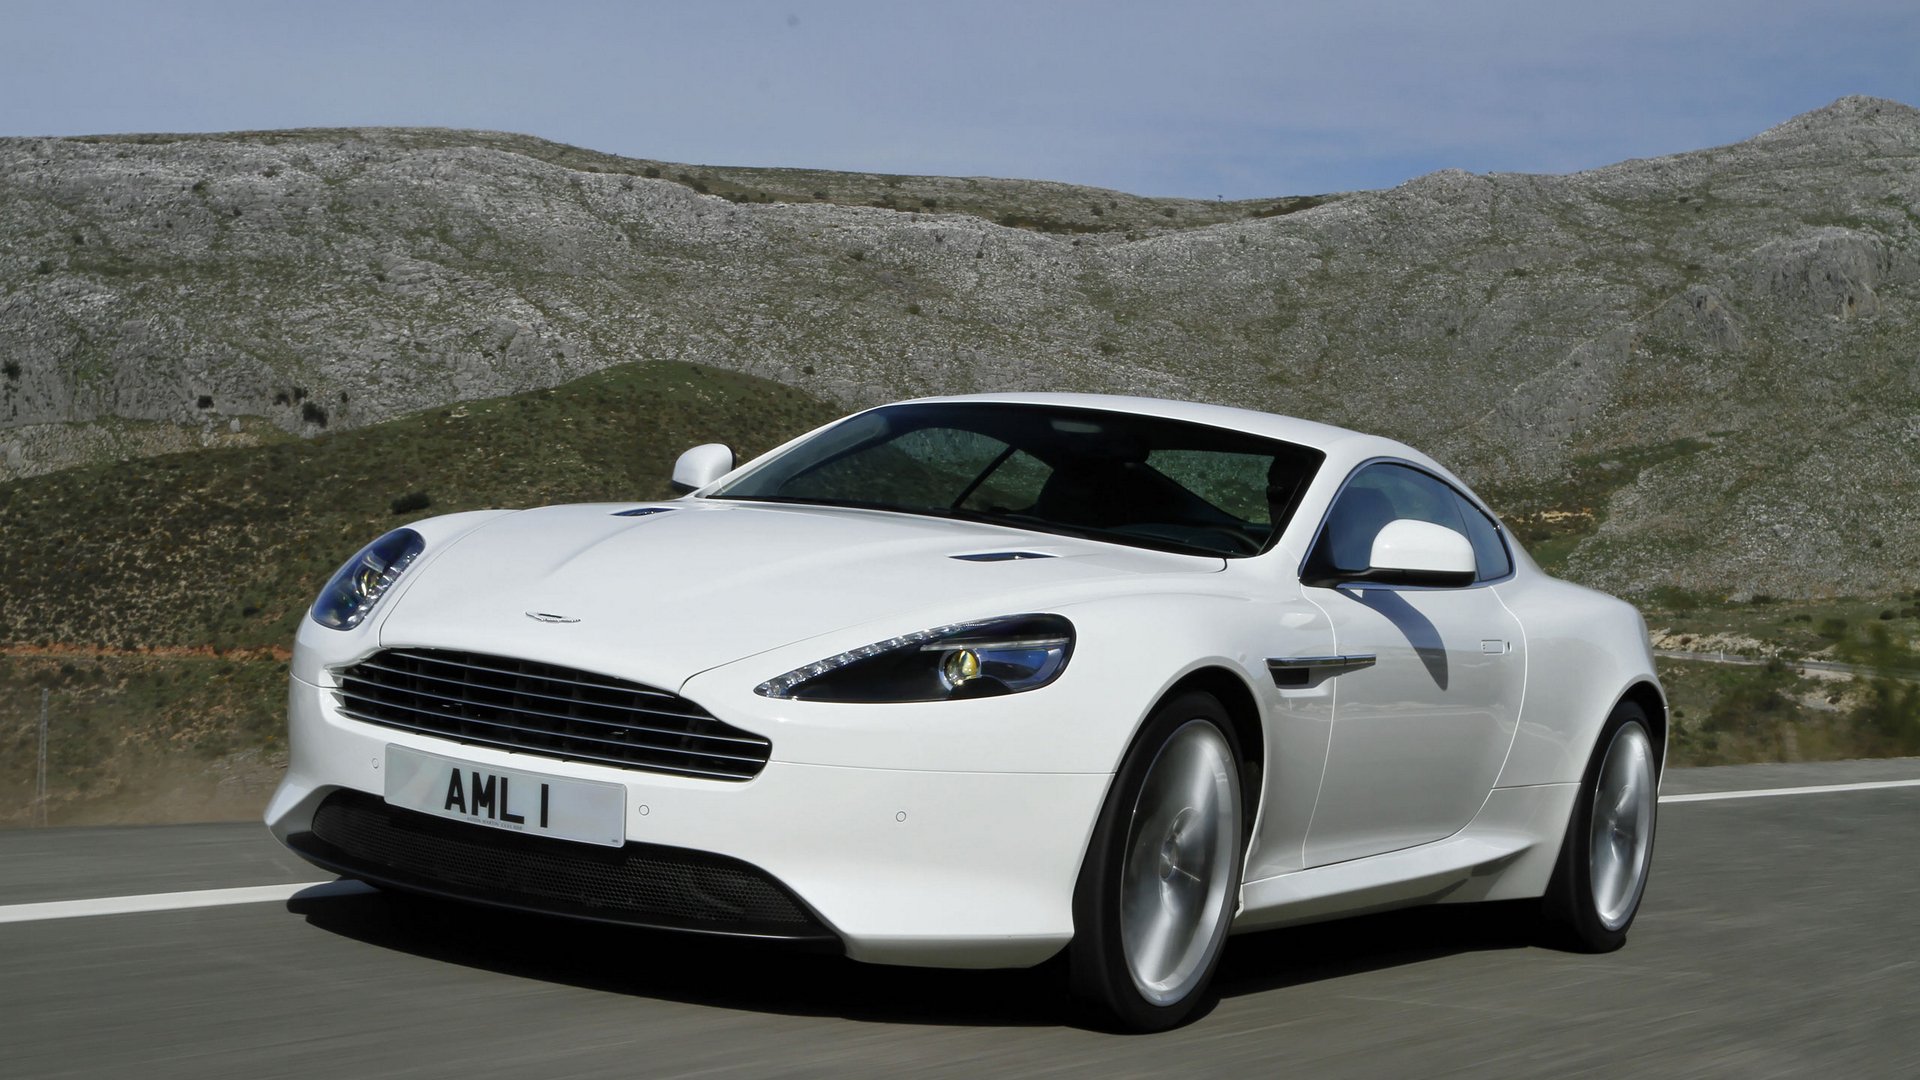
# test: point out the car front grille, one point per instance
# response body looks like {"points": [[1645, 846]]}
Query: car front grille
{"points": [[548, 710], [361, 836]]}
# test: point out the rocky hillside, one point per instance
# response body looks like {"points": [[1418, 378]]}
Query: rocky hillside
{"points": [[1700, 371]]}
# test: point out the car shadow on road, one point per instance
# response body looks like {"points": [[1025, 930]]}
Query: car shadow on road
{"points": [[1322, 952], [785, 980]]}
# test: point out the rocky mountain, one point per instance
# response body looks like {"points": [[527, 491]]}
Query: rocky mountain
{"points": [[1699, 371]]}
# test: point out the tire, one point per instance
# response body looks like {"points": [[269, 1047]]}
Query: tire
{"points": [[1607, 853], [1161, 880]]}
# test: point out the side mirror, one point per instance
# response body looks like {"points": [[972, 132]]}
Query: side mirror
{"points": [[701, 466], [1405, 552], [1409, 552]]}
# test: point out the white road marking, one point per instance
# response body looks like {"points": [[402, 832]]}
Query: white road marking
{"points": [[177, 901], [314, 890], [1767, 793]]}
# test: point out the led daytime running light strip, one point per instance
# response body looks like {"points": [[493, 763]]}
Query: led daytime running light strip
{"points": [[781, 686], [1004, 643]]}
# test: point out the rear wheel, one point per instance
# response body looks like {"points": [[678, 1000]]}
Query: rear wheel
{"points": [[1608, 850], [1161, 880]]}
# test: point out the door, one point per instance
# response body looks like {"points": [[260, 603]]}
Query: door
{"points": [[1427, 702]]}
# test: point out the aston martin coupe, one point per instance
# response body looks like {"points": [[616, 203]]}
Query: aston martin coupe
{"points": [[976, 681]]}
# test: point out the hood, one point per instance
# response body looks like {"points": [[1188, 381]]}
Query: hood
{"points": [[679, 589]]}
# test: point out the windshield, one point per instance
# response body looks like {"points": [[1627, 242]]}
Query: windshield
{"points": [[1137, 480]]}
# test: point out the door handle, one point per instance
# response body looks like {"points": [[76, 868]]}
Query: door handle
{"points": [[1496, 646]]}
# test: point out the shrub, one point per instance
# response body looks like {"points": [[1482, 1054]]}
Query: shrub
{"points": [[12, 370], [1750, 708], [1888, 713], [313, 414], [411, 502]]}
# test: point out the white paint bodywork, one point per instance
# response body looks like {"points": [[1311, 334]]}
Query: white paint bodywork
{"points": [[951, 833]]}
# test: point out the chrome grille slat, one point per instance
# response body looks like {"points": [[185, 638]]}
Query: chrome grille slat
{"points": [[546, 709], [743, 740], [528, 729], [630, 688], [508, 744]]}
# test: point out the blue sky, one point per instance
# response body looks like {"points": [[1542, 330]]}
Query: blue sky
{"points": [[1203, 99]]}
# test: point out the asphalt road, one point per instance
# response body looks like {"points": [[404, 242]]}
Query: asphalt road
{"points": [[1780, 937]]}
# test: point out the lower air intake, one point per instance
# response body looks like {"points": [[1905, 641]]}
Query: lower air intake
{"points": [[360, 836]]}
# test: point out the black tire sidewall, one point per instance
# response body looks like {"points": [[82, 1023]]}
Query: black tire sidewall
{"points": [[1572, 919], [1097, 966]]}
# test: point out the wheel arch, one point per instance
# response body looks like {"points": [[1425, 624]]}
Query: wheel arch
{"points": [[1243, 712], [1647, 695]]}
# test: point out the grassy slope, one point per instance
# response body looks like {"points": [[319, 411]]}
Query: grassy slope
{"points": [[211, 558], [225, 547]]}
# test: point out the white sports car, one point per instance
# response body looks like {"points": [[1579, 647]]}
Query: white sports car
{"points": [[970, 681]]}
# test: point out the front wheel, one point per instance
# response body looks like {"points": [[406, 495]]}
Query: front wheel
{"points": [[1608, 850], [1161, 880]]}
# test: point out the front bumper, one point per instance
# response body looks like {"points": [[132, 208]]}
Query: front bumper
{"points": [[936, 868]]}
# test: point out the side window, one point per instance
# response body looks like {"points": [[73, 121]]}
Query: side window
{"points": [[1385, 492], [1489, 551]]}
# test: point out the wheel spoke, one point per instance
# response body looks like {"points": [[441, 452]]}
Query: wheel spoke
{"points": [[1174, 888], [1183, 873], [1619, 841]]}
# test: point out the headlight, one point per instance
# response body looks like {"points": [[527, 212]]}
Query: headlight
{"points": [[367, 576], [964, 660]]}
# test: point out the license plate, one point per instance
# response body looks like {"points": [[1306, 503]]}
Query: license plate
{"points": [[588, 811]]}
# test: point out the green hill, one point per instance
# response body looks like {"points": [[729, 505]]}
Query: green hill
{"points": [[155, 601]]}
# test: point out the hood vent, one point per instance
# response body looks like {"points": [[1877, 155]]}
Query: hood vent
{"points": [[1003, 556], [642, 511]]}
